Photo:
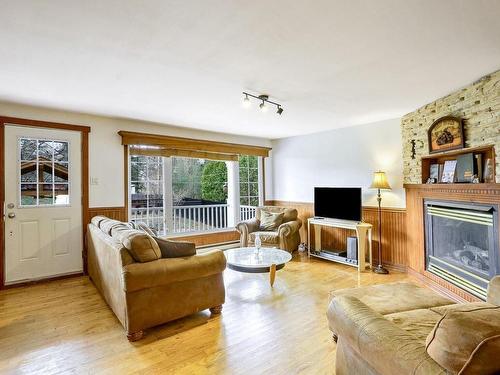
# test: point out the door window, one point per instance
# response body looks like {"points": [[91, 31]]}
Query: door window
{"points": [[43, 172]]}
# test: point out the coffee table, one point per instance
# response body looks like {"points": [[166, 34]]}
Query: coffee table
{"points": [[251, 260]]}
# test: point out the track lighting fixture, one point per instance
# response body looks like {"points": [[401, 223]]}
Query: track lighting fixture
{"points": [[264, 101], [246, 101], [263, 106]]}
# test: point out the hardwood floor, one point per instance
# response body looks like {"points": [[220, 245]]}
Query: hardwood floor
{"points": [[65, 327]]}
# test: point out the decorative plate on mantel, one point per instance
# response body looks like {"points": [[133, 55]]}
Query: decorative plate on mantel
{"points": [[446, 133]]}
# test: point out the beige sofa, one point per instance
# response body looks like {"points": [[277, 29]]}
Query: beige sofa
{"points": [[143, 289], [402, 329], [285, 237]]}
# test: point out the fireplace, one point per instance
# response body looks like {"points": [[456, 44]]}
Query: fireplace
{"points": [[461, 243]]}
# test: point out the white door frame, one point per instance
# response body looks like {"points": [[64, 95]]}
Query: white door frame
{"points": [[85, 130]]}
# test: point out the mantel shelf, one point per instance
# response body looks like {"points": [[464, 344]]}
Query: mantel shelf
{"points": [[454, 186]]}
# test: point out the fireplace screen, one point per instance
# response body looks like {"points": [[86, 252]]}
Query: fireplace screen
{"points": [[461, 244]]}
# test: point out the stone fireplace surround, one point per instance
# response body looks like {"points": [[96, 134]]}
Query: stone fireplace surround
{"points": [[478, 105]]}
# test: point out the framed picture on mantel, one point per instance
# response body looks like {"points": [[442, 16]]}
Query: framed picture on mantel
{"points": [[445, 134]]}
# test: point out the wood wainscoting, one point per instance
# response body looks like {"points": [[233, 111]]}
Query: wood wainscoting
{"points": [[394, 252], [415, 196], [116, 213]]}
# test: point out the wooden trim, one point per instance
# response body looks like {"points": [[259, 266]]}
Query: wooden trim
{"points": [[43, 281], [134, 138], [5, 120], [125, 180], [2, 205], [183, 153], [203, 239], [84, 130]]}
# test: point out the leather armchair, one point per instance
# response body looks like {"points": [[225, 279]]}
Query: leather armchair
{"points": [[285, 237]]}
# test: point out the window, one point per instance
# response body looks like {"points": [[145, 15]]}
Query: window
{"points": [[199, 194], [177, 194], [44, 172], [146, 191], [249, 185], [249, 181]]}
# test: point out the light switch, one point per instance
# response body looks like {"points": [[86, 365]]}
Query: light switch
{"points": [[94, 181]]}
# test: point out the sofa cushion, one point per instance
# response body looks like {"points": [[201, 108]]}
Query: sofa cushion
{"points": [[270, 221], [265, 237], [394, 297], [418, 322], [141, 245], [175, 249], [138, 276], [467, 342]]}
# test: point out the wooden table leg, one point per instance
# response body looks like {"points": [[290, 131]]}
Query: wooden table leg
{"points": [[272, 274]]}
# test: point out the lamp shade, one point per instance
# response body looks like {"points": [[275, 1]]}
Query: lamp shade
{"points": [[380, 181]]}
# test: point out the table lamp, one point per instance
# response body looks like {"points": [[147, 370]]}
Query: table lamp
{"points": [[380, 182]]}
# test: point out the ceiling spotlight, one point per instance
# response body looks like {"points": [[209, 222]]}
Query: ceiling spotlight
{"points": [[263, 106], [264, 102], [246, 101]]}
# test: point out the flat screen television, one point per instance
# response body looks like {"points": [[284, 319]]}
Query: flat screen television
{"points": [[337, 203]]}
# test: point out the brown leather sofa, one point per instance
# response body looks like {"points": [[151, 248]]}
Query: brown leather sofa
{"points": [[143, 289], [401, 328], [285, 237]]}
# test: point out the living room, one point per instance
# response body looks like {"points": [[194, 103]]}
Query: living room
{"points": [[240, 188]]}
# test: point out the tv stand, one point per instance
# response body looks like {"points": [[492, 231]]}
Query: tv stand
{"points": [[363, 234]]}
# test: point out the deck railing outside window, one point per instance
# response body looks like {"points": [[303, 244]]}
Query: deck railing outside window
{"points": [[190, 219]]}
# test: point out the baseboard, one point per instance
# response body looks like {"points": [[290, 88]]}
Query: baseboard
{"points": [[44, 280]]}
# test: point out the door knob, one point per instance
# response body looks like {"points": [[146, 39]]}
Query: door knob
{"points": [[11, 215]]}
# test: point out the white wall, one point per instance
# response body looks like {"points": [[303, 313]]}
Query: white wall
{"points": [[341, 157], [105, 149]]}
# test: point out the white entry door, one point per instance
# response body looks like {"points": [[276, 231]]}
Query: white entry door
{"points": [[43, 203]]}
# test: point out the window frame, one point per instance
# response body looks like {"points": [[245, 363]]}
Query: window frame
{"points": [[19, 183]]}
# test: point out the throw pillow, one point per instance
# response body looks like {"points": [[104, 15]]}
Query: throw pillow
{"points": [[465, 342], [175, 249], [140, 245], [270, 221]]}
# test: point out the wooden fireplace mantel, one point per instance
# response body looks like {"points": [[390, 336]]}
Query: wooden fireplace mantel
{"points": [[415, 195]]}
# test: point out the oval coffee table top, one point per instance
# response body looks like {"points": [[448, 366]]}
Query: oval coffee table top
{"points": [[248, 259]]}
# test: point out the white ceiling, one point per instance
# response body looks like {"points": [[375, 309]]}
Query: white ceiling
{"points": [[330, 63]]}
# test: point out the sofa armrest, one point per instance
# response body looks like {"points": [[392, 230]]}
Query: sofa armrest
{"points": [[386, 347], [248, 226], [139, 276], [245, 228], [290, 227], [494, 291]]}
